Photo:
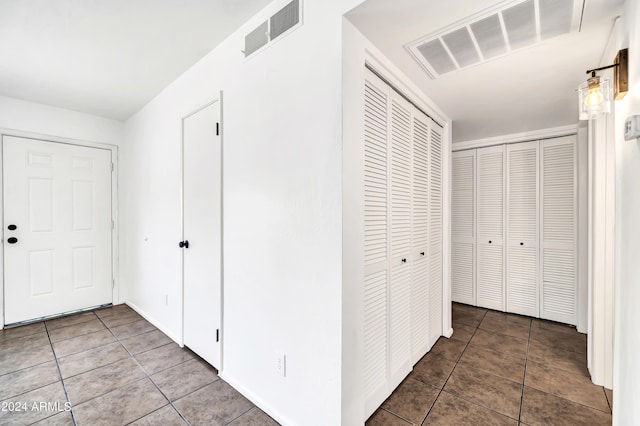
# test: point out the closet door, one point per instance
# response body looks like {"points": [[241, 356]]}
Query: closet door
{"points": [[558, 222], [463, 205], [435, 235], [400, 237], [420, 241], [376, 243], [490, 233], [522, 228]]}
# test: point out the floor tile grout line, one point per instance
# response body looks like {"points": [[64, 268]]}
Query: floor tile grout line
{"points": [[236, 418], [524, 374], [64, 387]]}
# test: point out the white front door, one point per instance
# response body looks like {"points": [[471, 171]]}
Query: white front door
{"points": [[203, 231], [57, 228]]}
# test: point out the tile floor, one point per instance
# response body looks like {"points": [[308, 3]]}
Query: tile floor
{"points": [[499, 369], [114, 368]]}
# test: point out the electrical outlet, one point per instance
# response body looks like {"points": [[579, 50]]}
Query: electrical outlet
{"points": [[281, 364]]}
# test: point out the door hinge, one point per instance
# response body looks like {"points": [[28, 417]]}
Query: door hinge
{"points": [[217, 129], [217, 335], [112, 167], [113, 283]]}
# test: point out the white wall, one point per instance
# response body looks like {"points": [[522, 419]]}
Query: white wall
{"points": [[626, 381], [282, 178]]}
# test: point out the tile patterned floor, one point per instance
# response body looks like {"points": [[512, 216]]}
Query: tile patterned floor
{"points": [[114, 368], [499, 369]]}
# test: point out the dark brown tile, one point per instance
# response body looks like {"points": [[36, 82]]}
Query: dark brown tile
{"points": [[507, 344], [16, 359], [540, 408], [574, 387], [461, 307], [83, 343], [21, 331], [541, 324], [215, 404], [146, 341], [609, 394], [448, 348], [163, 357], [411, 400], [450, 410], [463, 332], [495, 362], [119, 319], [385, 418], [72, 365], [572, 362], [68, 320], [22, 381], [467, 318], [506, 327], [488, 390], [254, 417], [508, 318], [132, 329], [102, 380], [165, 416], [185, 378], [53, 394], [560, 340], [63, 333], [121, 406], [113, 310], [432, 370]]}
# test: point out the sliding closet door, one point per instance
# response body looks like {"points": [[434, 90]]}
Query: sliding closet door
{"points": [[376, 243], [490, 221], [463, 218], [400, 225], [522, 228], [558, 222], [420, 242], [435, 235]]}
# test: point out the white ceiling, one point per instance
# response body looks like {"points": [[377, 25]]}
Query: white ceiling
{"points": [[529, 89], [108, 57]]}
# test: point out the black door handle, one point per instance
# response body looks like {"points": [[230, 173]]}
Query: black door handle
{"points": [[184, 244], [12, 227], [12, 240], [521, 244], [404, 260], [489, 242], [421, 253]]}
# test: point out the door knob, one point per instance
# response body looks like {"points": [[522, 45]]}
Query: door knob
{"points": [[404, 260], [521, 244], [12, 227], [421, 253], [184, 244], [12, 240], [489, 242]]}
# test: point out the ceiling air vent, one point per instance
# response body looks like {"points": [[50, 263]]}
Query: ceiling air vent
{"points": [[509, 26], [285, 20]]}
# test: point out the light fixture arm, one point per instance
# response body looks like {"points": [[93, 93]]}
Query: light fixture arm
{"points": [[593, 71]]}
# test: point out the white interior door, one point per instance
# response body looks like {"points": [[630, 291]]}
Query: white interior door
{"points": [[202, 253], [435, 235], [57, 228]]}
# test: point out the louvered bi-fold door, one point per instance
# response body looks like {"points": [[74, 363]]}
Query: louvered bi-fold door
{"points": [[435, 234], [463, 202], [490, 179], [400, 227], [376, 243], [522, 229], [558, 222], [420, 242]]}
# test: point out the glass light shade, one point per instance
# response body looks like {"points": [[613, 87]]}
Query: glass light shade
{"points": [[594, 98]]}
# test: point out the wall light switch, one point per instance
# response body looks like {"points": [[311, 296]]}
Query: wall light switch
{"points": [[632, 128]]}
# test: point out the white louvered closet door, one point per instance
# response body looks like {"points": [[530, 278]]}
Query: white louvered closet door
{"points": [[376, 243], [522, 228], [420, 242], [490, 179], [558, 301], [400, 166], [435, 234], [463, 202]]}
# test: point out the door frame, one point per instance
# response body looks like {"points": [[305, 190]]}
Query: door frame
{"points": [[218, 98], [115, 265]]}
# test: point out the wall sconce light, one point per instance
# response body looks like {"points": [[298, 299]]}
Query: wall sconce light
{"points": [[594, 94]]}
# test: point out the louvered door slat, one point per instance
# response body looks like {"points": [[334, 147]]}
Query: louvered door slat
{"points": [[522, 229], [435, 234], [463, 202], [559, 285]]}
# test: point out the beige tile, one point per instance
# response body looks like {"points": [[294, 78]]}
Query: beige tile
{"points": [[121, 318], [165, 416], [574, 387], [83, 343], [385, 418], [72, 365], [68, 320], [52, 394], [485, 389], [463, 332], [572, 362], [24, 343], [21, 331], [448, 348], [433, 370], [132, 329], [540, 408], [609, 394], [16, 359], [63, 333], [113, 310], [102, 380], [450, 410], [254, 417], [505, 326], [185, 378], [507, 344], [411, 400], [121, 406], [146, 341], [494, 361], [163, 357], [60, 419], [215, 404], [22, 381]]}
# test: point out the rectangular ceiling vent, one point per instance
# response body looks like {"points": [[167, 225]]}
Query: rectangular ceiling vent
{"points": [[281, 23], [509, 26]]}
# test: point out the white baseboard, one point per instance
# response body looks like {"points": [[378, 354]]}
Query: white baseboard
{"points": [[154, 322]]}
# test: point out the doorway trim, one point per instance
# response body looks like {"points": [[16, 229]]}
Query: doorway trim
{"points": [[115, 264]]}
